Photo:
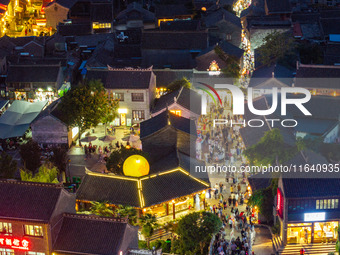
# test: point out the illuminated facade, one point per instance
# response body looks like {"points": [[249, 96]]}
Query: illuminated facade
{"points": [[308, 216], [162, 194]]}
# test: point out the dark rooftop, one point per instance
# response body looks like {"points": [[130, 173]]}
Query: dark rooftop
{"points": [[122, 78], [171, 10], [278, 6], [317, 76], [154, 124], [221, 14], [109, 188], [33, 73], [82, 234], [154, 190], [185, 97], [188, 40], [308, 188], [180, 25], [29, 200]]}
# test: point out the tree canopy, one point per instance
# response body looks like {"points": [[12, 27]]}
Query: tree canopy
{"points": [[195, 231], [116, 160], [175, 85], [30, 154], [277, 45], [8, 166], [87, 105], [47, 173], [148, 223], [232, 69], [101, 209], [270, 150]]}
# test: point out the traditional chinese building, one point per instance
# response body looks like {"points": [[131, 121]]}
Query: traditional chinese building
{"points": [[29, 216], [40, 219]]}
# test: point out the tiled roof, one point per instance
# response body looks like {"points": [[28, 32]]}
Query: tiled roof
{"points": [[65, 3], [101, 12], [122, 78], [74, 29], [260, 181], [33, 73], [28, 200], [169, 186], [166, 77], [321, 107], [264, 73], [221, 14], [161, 120], [102, 188], [154, 190], [180, 25], [82, 234], [171, 10], [185, 97], [278, 6], [330, 26], [307, 187], [135, 11], [188, 40], [312, 76]]}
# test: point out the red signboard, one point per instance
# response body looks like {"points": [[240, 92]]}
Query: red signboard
{"points": [[14, 243], [279, 203]]}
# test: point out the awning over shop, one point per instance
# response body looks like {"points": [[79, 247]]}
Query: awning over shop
{"points": [[18, 117]]}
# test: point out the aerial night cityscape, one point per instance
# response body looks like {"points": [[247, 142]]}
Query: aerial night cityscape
{"points": [[183, 127]]}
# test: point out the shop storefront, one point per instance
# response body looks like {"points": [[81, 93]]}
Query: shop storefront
{"points": [[303, 219], [315, 232]]}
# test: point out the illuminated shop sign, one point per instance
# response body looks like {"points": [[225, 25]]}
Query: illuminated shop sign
{"points": [[279, 203], [14, 243], [315, 216]]}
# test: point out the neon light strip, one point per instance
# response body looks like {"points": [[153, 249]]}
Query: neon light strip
{"points": [[213, 90]]}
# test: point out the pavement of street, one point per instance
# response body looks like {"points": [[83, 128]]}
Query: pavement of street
{"points": [[77, 164]]}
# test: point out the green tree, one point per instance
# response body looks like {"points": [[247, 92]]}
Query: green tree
{"points": [[8, 166], [59, 158], [47, 173], [148, 223], [110, 112], [123, 211], [195, 231], [270, 150], [176, 85], [30, 154], [116, 160], [232, 64], [101, 209], [86, 105], [277, 45]]}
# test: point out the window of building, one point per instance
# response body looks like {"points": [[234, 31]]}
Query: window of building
{"points": [[327, 204], [97, 25], [118, 96], [137, 97], [228, 37], [35, 253], [176, 112], [138, 114], [6, 251], [5, 228], [32, 230]]}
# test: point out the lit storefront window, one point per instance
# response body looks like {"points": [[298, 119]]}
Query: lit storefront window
{"points": [[6, 251], [325, 232], [97, 25], [299, 233]]}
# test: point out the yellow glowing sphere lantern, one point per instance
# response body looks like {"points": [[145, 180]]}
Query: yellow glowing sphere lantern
{"points": [[136, 166]]}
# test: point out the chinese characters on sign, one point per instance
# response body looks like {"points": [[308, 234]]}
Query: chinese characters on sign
{"points": [[279, 203], [14, 243]]}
